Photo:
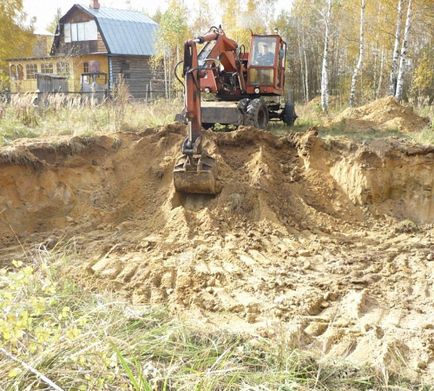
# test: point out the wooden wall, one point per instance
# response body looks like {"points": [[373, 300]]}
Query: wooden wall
{"points": [[143, 82]]}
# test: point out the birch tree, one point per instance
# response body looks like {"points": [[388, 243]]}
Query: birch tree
{"points": [[380, 79], [306, 71], [359, 64], [170, 39], [300, 53], [400, 79], [395, 56], [324, 71]]}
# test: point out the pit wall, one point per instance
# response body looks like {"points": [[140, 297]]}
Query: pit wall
{"points": [[400, 184]]}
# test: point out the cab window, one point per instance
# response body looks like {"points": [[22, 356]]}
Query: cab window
{"points": [[263, 51]]}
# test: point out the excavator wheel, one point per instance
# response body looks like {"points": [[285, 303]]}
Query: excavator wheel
{"points": [[289, 115], [243, 104], [257, 114]]}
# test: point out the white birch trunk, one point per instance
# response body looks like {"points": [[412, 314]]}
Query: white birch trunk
{"points": [[380, 78], [324, 70], [306, 73], [359, 64], [400, 79], [300, 52], [395, 56]]}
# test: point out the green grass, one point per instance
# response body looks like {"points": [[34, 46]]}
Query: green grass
{"points": [[84, 340]]}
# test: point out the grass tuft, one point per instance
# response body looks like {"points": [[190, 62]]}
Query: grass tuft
{"points": [[64, 115], [82, 340]]}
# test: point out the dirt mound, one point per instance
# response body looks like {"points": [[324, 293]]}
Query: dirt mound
{"points": [[382, 114], [309, 238]]}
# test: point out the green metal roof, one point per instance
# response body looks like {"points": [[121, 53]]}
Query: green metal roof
{"points": [[125, 32]]}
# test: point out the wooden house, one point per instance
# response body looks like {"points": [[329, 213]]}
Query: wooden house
{"points": [[94, 47]]}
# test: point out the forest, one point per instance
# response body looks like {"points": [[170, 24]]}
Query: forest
{"points": [[354, 51]]}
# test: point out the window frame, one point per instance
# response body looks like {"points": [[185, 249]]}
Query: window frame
{"points": [[80, 31], [49, 66], [32, 72], [67, 33], [63, 68]]}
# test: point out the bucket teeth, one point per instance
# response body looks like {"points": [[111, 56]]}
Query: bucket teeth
{"points": [[195, 174]]}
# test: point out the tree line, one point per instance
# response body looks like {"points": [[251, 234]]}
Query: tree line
{"points": [[353, 50], [348, 51]]}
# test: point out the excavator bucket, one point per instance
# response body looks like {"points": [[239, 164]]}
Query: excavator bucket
{"points": [[195, 174]]}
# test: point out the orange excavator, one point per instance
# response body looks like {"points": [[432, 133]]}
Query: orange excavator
{"points": [[247, 86]]}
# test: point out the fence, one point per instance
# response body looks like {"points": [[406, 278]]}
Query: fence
{"points": [[149, 96]]}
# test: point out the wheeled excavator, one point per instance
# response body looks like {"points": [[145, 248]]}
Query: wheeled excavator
{"points": [[247, 86]]}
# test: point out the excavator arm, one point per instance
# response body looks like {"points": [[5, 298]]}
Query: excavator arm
{"points": [[194, 170], [192, 100]]}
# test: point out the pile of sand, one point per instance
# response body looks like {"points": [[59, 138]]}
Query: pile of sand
{"points": [[382, 114], [303, 241]]}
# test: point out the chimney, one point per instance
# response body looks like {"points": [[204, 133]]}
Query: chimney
{"points": [[94, 4]]}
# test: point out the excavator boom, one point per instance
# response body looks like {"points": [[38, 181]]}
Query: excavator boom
{"points": [[194, 170]]}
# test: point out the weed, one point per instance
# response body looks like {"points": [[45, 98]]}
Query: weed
{"points": [[57, 331], [60, 115]]}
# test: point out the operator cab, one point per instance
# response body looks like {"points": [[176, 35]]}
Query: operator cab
{"points": [[266, 65]]}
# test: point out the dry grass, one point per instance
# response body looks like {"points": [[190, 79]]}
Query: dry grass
{"points": [[52, 330], [76, 116], [310, 115]]}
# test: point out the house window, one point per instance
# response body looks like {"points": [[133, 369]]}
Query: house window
{"points": [[86, 67], [20, 72], [31, 70], [125, 69], [13, 72], [63, 68], [67, 32], [46, 68], [74, 32]]}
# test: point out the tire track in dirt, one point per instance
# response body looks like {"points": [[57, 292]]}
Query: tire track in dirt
{"points": [[330, 241]]}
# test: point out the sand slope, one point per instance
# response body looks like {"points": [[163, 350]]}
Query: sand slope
{"points": [[309, 239]]}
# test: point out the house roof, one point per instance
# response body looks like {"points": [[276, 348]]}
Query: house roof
{"points": [[124, 32]]}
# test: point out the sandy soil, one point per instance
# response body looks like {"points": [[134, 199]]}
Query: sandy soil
{"points": [[381, 114], [329, 244]]}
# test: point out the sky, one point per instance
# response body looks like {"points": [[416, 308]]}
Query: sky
{"points": [[44, 10]]}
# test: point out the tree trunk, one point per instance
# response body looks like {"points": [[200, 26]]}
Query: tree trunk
{"points": [[306, 72], [300, 51], [166, 95], [324, 71], [395, 57], [360, 59], [400, 79], [380, 79]]}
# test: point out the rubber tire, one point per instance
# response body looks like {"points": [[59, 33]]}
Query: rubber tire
{"points": [[243, 104], [257, 114], [289, 115]]}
